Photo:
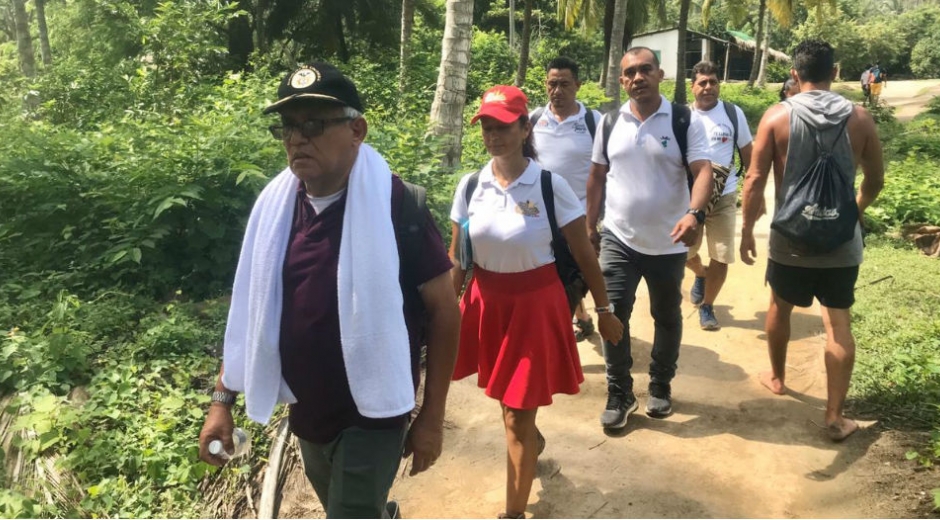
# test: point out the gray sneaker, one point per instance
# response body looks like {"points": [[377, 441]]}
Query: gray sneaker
{"points": [[706, 317], [620, 405], [697, 294], [659, 404], [391, 510]]}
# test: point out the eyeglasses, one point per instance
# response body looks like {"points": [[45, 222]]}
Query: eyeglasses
{"points": [[309, 129]]}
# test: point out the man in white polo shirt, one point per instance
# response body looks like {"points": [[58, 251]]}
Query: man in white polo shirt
{"points": [[650, 218], [719, 223], [564, 138]]}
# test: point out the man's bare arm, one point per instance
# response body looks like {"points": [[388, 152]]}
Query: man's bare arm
{"points": [[595, 197], [871, 161], [752, 199]]}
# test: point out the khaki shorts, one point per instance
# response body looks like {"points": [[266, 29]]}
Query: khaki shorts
{"points": [[719, 231], [875, 88]]}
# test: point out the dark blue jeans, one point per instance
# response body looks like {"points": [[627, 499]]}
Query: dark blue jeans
{"points": [[623, 267]]}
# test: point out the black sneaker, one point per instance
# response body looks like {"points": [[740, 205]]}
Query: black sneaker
{"points": [[659, 404], [391, 510], [620, 405]]}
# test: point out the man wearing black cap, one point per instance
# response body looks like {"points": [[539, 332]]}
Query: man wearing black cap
{"points": [[342, 277]]}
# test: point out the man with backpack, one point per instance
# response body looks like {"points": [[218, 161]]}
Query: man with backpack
{"points": [[814, 141], [342, 278], [727, 132], [564, 138], [877, 80], [866, 81], [642, 157]]}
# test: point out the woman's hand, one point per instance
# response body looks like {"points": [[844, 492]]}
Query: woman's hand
{"points": [[610, 327]]}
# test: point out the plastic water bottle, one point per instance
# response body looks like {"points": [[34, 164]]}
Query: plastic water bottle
{"points": [[241, 441]]}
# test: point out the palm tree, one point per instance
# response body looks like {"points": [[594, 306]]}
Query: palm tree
{"points": [[451, 93], [407, 24], [679, 96], [615, 53], [44, 48], [524, 49], [24, 43]]}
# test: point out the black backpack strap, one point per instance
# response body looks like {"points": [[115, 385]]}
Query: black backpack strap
{"points": [[412, 220], [471, 187], [610, 119], [536, 115], [731, 111], [548, 195], [590, 122], [681, 119]]}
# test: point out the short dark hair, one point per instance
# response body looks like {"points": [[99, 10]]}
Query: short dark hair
{"points": [[705, 68], [787, 85], [564, 63], [813, 61], [638, 49]]}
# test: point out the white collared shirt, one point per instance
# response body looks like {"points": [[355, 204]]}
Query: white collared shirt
{"points": [[720, 134], [565, 147], [647, 185], [509, 227]]}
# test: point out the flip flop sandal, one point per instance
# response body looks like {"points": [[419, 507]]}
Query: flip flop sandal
{"points": [[540, 442]]}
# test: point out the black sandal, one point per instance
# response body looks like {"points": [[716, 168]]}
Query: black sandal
{"points": [[540, 442]]}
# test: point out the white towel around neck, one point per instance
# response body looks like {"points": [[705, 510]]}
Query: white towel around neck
{"points": [[374, 338]]}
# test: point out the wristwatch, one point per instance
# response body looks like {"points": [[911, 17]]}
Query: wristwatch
{"points": [[698, 214], [226, 398], [607, 309]]}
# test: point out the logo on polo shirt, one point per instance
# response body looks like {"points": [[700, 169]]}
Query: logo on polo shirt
{"points": [[527, 208], [664, 140], [580, 128]]}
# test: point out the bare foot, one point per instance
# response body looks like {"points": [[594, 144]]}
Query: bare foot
{"points": [[772, 383], [841, 429]]}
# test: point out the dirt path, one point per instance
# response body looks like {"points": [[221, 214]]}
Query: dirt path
{"points": [[908, 97]]}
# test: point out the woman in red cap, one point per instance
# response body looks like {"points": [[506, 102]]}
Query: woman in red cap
{"points": [[516, 332]]}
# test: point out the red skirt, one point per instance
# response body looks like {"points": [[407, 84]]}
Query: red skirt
{"points": [[516, 334]]}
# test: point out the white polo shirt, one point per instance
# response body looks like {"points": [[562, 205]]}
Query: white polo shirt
{"points": [[720, 134], [565, 147], [509, 227], [647, 185]]}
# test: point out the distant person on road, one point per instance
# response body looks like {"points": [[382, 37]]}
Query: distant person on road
{"points": [[790, 88], [814, 129], [877, 82], [865, 80], [516, 329], [725, 137], [341, 279], [564, 136]]}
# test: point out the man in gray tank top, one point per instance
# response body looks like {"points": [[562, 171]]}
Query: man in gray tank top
{"points": [[787, 140]]}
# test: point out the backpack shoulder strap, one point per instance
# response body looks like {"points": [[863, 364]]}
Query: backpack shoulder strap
{"points": [[548, 195], [536, 114], [681, 118], [471, 187], [411, 224], [590, 122], [731, 110], [610, 119]]}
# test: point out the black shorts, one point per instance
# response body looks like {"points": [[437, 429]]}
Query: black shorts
{"points": [[833, 286]]}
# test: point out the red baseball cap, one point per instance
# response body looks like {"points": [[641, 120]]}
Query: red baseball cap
{"points": [[504, 103]]}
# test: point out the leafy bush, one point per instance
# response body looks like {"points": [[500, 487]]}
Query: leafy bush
{"points": [[911, 192]]}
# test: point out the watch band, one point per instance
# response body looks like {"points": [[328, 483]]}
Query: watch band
{"points": [[698, 214], [606, 309], [226, 398]]}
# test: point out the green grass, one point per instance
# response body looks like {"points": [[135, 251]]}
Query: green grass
{"points": [[897, 333]]}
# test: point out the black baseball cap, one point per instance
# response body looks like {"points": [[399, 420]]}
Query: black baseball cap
{"points": [[316, 81]]}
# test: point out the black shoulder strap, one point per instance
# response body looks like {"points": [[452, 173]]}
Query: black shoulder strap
{"points": [[548, 195], [590, 122], [471, 187], [681, 118], [536, 115], [411, 218], [731, 111], [610, 119]]}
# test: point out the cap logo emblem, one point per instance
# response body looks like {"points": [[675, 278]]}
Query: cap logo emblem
{"points": [[496, 96], [304, 77]]}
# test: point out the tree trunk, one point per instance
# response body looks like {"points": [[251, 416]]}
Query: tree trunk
{"points": [[608, 28], [261, 38], [407, 24], [450, 95], [44, 47], [524, 48], [240, 43], [765, 55], [341, 39], [615, 54], [679, 96], [755, 64], [24, 44]]}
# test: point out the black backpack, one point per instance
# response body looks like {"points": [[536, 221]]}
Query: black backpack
{"points": [[819, 211], [588, 119], [411, 224], [567, 267]]}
